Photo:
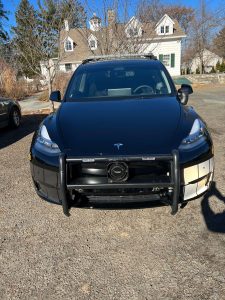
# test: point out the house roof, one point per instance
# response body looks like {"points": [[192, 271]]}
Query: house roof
{"points": [[164, 17], [207, 54], [80, 38], [150, 33], [81, 49]]}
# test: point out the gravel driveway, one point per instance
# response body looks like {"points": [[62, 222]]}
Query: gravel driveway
{"points": [[108, 252]]}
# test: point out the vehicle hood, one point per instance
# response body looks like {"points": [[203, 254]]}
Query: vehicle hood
{"points": [[143, 126]]}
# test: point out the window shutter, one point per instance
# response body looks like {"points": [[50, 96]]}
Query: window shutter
{"points": [[172, 63], [161, 57]]}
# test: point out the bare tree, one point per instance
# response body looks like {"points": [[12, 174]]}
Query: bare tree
{"points": [[187, 59], [203, 29], [154, 10], [3, 67], [219, 43]]}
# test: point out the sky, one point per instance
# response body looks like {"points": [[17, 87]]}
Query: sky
{"points": [[11, 6]]}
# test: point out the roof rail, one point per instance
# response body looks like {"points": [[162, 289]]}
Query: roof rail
{"points": [[118, 56]]}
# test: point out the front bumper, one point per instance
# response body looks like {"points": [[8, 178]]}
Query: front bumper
{"points": [[52, 183], [172, 181]]}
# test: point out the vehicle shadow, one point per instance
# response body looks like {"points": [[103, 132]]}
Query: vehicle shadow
{"points": [[29, 124], [214, 221]]}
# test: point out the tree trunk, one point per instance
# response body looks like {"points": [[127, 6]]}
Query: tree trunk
{"points": [[201, 69], [50, 89]]}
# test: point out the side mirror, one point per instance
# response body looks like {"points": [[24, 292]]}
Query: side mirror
{"points": [[184, 92], [55, 96]]}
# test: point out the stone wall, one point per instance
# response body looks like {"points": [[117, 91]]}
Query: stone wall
{"points": [[205, 78]]}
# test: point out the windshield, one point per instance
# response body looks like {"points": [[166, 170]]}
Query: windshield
{"points": [[110, 81]]}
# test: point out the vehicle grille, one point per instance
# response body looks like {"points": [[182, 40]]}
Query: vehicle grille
{"points": [[93, 173]]}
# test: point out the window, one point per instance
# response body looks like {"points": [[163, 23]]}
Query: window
{"points": [[164, 29], [119, 82], [93, 44], [68, 45], [68, 67], [133, 32], [166, 60]]}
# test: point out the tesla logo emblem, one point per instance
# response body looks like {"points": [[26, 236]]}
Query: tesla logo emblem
{"points": [[118, 145]]}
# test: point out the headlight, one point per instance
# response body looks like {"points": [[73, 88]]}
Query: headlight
{"points": [[196, 136], [44, 143]]}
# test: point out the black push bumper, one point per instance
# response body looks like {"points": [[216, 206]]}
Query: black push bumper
{"points": [[172, 182]]}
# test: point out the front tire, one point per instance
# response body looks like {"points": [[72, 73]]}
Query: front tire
{"points": [[14, 118]]}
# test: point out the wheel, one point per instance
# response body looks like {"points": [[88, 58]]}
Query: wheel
{"points": [[14, 118]]}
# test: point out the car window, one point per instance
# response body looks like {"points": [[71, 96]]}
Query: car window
{"points": [[118, 82]]}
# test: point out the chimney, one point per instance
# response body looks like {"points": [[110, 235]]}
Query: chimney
{"points": [[111, 17], [66, 23]]}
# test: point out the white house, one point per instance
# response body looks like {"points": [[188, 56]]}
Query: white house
{"points": [[166, 44], [209, 60], [162, 39]]}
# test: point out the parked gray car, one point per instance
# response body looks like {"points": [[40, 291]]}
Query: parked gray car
{"points": [[10, 113]]}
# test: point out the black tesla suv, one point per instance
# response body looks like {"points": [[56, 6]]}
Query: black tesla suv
{"points": [[122, 133]]}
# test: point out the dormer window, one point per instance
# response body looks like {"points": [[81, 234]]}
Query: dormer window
{"points": [[133, 28], [93, 43], [165, 26], [165, 29], [68, 44], [133, 32]]}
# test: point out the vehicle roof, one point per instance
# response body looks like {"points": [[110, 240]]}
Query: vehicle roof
{"points": [[119, 62]]}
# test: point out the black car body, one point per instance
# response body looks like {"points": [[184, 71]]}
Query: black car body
{"points": [[10, 113], [122, 133]]}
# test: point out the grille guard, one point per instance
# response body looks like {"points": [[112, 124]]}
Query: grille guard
{"points": [[174, 182]]}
